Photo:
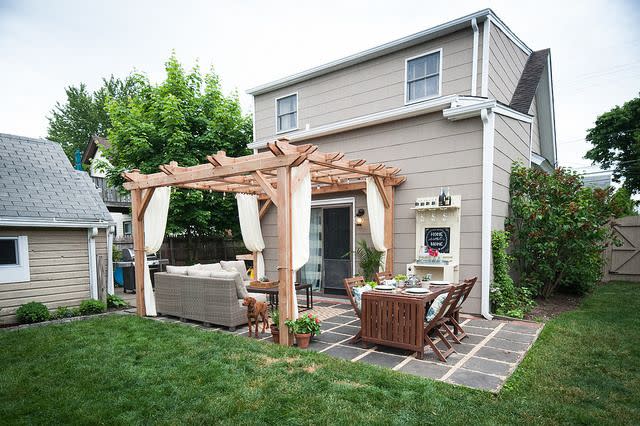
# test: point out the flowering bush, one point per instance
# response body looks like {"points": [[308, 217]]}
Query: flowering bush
{"points": [[306, 324], [558, 230]]}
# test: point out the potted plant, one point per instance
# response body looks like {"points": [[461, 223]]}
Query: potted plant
{"points": [[303, 328], [275, 321], [369, 258]]}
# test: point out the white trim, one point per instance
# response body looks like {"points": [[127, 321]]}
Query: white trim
{"points": [[343, 201], [472, 107], [488, 133], [253, 116], [279, 132], [402, 112], [93, 269], [486, 37], [19, 272], [110, 287], [530, 141], [406, 70], [392, 46], [474, 57], [18, 222], [553, 111]]}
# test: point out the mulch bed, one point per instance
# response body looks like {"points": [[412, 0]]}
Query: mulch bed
{"points": [[554, 306]]}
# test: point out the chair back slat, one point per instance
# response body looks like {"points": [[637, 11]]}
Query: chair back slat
{"points": [[468, 286], [452, 298], [349, 283], [381, 276]]}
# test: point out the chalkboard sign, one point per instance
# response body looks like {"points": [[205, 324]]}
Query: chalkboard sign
{"points": [[437, 238]]}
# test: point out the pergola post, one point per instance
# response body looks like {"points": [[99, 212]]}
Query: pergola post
{"points": [[285, 275], [137, 223], [388, 227]]}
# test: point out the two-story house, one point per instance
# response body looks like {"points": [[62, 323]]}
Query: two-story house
{"points": [[452, 106]]}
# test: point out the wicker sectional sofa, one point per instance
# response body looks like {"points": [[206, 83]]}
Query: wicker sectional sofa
{"points": [[206, 299]]}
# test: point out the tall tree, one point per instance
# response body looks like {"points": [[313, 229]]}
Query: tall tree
{"points": [[84, 114], [183, 119], [616, 143]]}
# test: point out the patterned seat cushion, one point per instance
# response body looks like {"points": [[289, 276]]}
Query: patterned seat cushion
{"points": [[435, 307], [357, 294]]}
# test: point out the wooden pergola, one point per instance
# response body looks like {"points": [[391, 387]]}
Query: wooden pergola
{"points": [[268, 175]]}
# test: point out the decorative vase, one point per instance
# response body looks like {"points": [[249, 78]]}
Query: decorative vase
{"points": [[303, 340], [275, 334]]}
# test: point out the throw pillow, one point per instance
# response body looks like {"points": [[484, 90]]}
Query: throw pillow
{"points": [[238, 265], [241, 291], [198, 273], [179, 270], [435, 307], [214, 267], [357, 294]]}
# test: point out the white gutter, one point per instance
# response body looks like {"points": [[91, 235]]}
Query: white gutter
{"points": [[474, 58], [488, 133], [486, 36], [436, 104], [466, 107], [93, 269], [23, 222]]}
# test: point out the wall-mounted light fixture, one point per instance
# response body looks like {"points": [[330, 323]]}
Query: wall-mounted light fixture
{"points": [[359, 217]]}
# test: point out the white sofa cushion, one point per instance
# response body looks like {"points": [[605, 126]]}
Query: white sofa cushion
{"points": [[235, 265], [198, 273], [179, 270], [214, 267]]}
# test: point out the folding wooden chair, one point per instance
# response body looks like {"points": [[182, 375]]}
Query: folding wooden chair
{"points": [[381, 276], [453, 316], [439, 320], [349, 283]]}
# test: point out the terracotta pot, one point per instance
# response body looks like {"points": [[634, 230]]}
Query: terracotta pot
{"points": [[275, 334], [303, 340]]}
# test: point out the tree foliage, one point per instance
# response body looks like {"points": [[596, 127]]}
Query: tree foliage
{"points": [[616, 143], [84, 114], [183, 119], [558, 230]]}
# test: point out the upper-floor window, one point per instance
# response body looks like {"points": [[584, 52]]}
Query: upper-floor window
{"points": [[126, 229], [287, 113], [423, 76]]}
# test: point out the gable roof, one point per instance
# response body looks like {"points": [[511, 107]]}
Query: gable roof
{"points": [[38, 185], [529, 80], [392, 46], [92, 147]]}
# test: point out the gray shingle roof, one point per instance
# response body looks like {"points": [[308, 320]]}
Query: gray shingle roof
{"points": [[528, 83], [38, 184]]}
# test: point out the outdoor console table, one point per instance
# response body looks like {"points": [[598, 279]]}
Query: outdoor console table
{"points": [[272, 294], [397, 319]]}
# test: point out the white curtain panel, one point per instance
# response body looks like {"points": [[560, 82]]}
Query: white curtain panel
{"points": [[300, 224], [375, 205], [250, 228], [155, 223]]}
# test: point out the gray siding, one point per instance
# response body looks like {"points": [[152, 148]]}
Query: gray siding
{"points": [[373, 86], [511, 145], [432, 152], [59, 267], [506, 63], [535, 139]]}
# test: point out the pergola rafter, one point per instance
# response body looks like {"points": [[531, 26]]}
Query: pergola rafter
{"points": [[268, 175]]}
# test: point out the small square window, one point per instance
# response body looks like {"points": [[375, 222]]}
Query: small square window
{"points": [[126, 228], [423, 77], [9, 252], [287, 113]]}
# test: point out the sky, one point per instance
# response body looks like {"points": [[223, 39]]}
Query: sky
{"points": [[46, 46]]}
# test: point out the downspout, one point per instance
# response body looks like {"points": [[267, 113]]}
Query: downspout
{"points": [[110, 232], [486, 37], [488, 127], [474, 58], [93, 268], [530, 142]]}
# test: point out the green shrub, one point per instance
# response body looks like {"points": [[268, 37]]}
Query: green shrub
{"points": [[63, 312], [32, 312], [115, 301], [558, 230], [507, 298], [92, 306]]}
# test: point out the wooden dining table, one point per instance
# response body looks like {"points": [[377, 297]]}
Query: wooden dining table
{"points": [[397, 318]]}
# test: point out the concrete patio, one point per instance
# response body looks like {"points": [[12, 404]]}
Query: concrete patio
{"points": [[484, 360]]}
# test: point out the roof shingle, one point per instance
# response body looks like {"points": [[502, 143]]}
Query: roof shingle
{"points": [[528, 84]]}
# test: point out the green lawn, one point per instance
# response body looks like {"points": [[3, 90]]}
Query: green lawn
{"points": [[584, 368]]}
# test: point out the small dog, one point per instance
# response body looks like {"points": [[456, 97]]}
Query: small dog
{"points": [[255, 311]]}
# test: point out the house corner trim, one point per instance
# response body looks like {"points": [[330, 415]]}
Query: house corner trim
{"points": [[93, 268], [488, 133]]}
